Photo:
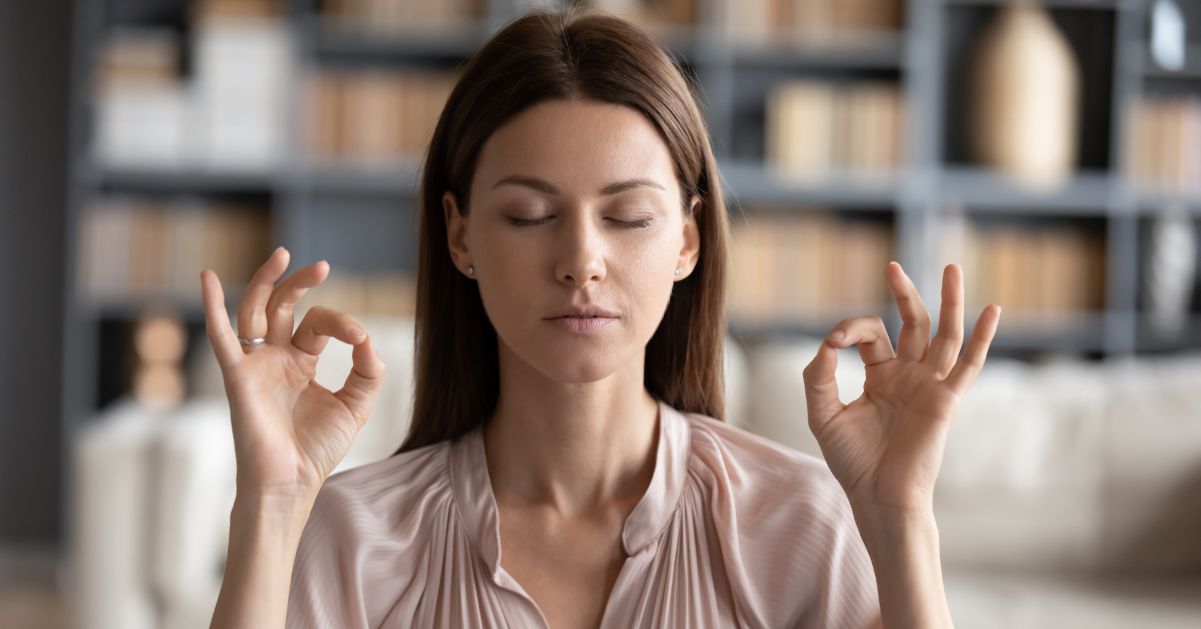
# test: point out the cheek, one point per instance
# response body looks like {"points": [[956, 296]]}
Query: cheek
{"points": [[646, 276]]}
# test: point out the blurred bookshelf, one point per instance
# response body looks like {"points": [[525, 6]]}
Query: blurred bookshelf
{"points": [[206, 133]]}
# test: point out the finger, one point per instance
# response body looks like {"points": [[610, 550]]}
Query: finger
{"points": [[944, 349], [363, 382], [867, 332], [964, 373], [914, 338], [281, 306], [320, 324], [821, 388], [216, 321], [252, 317]]}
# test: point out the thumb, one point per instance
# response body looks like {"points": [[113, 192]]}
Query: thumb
{"points": [[821, 388], [363, 382]]}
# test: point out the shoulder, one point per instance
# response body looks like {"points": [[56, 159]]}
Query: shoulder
{"points": [[384, 494], [783, 515], [363, 518]]}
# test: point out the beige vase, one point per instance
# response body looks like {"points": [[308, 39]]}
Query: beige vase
{"points": [[1024, 98]]}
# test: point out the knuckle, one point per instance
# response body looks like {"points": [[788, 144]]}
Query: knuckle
{"points": [[318, 313], [279, 302]]}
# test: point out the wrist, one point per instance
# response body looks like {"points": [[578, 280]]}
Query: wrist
{"points": [[885, 526], [903, 547], [275, 511]]}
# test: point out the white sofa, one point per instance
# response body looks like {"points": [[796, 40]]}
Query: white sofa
{"points": [[1070, 494]]}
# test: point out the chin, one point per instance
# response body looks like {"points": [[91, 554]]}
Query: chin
{"points": [[577, 367]]}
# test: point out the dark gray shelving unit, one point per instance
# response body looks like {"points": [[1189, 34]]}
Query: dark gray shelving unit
{"points": [[356, 218]]}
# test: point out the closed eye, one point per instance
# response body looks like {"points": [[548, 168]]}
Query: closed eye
{"points": [[639, 224], [528, 222], [531, 222]]}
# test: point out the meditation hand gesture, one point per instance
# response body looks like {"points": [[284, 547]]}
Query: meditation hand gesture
{"points": [[885, 448], [289, 431]]}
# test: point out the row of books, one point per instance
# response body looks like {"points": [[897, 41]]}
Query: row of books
{"points": [[751, 22], [814, 129], [135, 248], [225, 113], [810, 23], [375, 294], [374, 115], [806, 267], [401, 16], [1165, 142], [1039, 274], [813, 267]]}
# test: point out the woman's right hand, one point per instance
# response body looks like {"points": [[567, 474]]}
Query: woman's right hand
{"points": [[289, 432]]}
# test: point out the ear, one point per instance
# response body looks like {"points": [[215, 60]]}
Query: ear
{"points": [[456, 232], [692, 239]]}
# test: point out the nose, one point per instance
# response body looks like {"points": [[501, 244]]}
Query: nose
{"points": [[581, 260]]}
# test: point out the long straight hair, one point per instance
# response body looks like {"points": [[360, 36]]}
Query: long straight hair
{"points": [[561, 55]]}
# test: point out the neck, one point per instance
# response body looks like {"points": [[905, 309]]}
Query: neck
{"points": [[572, 448]]}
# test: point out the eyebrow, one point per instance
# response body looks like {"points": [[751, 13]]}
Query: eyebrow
{"points": [[542, 185]]}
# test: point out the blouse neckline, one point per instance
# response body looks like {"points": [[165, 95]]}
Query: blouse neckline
{"points": [[472, 489]]}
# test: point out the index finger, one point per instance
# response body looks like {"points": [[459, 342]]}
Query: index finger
{"points": [[216, 321]]}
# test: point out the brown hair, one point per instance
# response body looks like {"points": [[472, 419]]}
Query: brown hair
{"points": [[564, 55]]}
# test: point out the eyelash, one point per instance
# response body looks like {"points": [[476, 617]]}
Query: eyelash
{"points": [[521, 222]]}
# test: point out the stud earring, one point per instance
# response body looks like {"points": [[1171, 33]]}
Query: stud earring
{"points": [[677, 270], [471, 270]]}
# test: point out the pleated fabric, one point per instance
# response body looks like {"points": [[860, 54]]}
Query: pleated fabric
{"points": [[733, 531]]}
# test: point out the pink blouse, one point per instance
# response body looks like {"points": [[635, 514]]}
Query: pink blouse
{"points": [[733, 531]]}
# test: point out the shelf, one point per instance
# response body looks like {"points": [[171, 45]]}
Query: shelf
{"points": [[1079, 332], [1150, 199], [879, 52], [390, 179], [133, 308], [1152, 70], [682, 40], [191, 308], [195, 180], [1084, 194], [1084, 331], [815, 326], [1150, 339], [1053, 4], [752, 182]]}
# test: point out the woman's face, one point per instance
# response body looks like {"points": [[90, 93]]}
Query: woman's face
{"points": [[574, 204]]}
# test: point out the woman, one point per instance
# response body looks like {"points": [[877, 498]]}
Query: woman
{"points": [[566, 466]]}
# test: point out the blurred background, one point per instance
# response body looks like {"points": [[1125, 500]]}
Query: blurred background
{"points": [[1053, 149]]}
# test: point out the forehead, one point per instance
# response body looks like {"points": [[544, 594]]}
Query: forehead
{"points": [[578, 145]]}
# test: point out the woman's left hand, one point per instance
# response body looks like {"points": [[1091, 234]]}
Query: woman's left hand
{"points": [[885, 448]]}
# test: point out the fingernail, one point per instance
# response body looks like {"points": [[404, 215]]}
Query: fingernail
{"points": [[837, 336], [356, 331]]}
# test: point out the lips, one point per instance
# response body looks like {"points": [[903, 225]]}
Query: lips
{"points": [[581, 325], [584, 312], [583, 318]]}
